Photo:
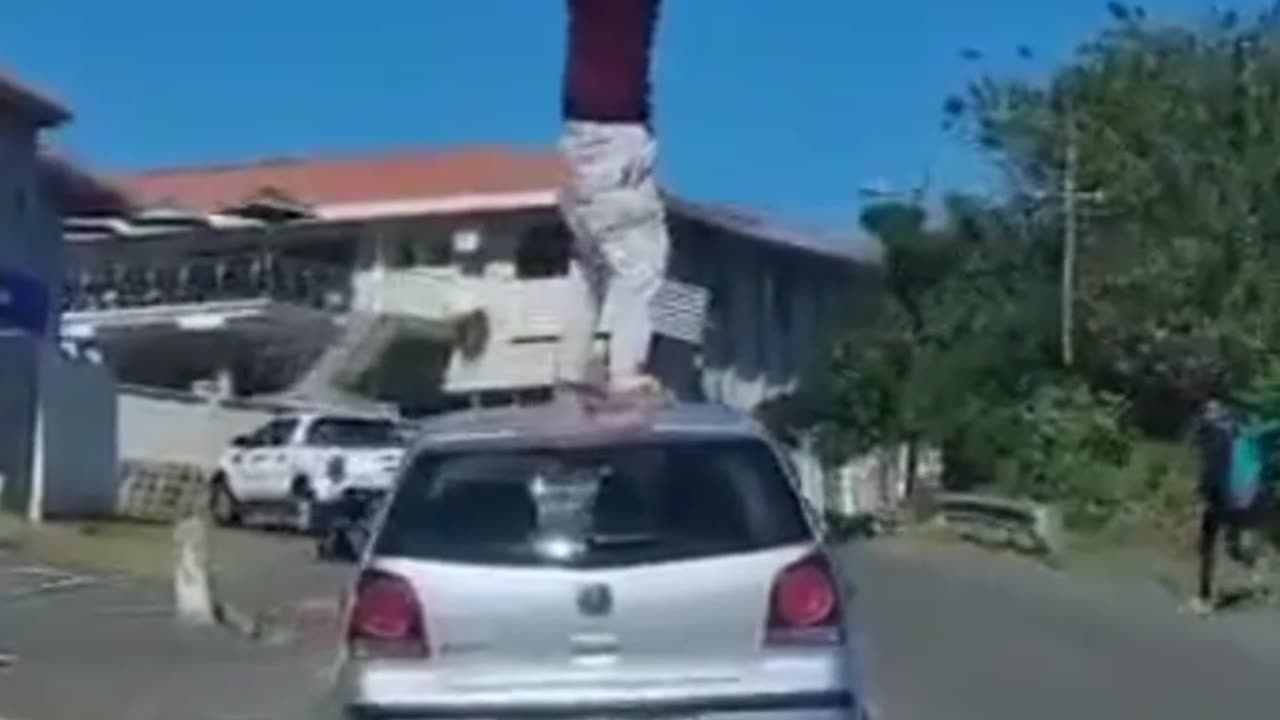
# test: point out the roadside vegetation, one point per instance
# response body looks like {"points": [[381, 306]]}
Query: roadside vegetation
{"points": [[1161, 144]]}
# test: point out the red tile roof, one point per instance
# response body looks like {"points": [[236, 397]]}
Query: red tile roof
{"points": [[40, 108], [401, 176]]}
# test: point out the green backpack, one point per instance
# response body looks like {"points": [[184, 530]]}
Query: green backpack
{"points": [[1250, 456]]}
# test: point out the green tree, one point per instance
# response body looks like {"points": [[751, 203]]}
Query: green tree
{"points": [[1180, 127], [960, 329]]}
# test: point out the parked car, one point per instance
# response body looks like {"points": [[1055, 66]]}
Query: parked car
{"points": [[301, 466], [532, 564]]}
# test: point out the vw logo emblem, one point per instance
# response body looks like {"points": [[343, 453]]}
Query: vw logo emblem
{"points": [[595, 600]]}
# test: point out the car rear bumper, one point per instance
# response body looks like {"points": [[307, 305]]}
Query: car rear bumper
{"points": [[827, 705]]}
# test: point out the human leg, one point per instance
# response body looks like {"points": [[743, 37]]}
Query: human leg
{"points": [[584, 290], [581, 303], [636, 251], [1207, 546], [615, 211], [1247, 546]]}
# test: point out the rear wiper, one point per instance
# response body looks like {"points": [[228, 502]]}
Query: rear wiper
{"points": [[622, 539]]}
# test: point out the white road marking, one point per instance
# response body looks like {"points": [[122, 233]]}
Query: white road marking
{"points": [[52, 586]]}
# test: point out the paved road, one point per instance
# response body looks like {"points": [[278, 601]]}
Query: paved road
{"points": [[959, 635], [107, 648], [952, 633]]}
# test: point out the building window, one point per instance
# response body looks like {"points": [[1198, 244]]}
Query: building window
{"points": [[543, 252], [403, 254], [411, 250], [436, 252]]}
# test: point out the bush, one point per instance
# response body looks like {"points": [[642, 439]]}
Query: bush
{"points": [[1077, 450], [1069, 445], [1160, 492]]}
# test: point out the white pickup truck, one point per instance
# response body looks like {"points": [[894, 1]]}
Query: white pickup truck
{"points": [[303, 464]]}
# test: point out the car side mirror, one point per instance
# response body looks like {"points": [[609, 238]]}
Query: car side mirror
{"points": [[240, 441]]}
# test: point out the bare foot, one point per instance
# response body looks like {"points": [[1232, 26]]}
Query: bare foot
{"points": [[636, 385]]}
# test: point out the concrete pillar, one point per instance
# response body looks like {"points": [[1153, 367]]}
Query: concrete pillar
{"points": [[35, 501]]}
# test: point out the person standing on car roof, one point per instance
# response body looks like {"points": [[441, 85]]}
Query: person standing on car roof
{"points": [[610, 201]]}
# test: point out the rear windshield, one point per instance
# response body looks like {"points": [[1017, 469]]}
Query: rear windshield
{"points": [[353, 433], [599, 507]]}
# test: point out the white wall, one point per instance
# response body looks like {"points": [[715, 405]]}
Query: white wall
{"points": [[77, 438], [178, 427], [523, 313]]}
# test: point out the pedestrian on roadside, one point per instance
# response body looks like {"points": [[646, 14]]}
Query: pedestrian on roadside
{"points": [[610, 201], [1232, 491]]}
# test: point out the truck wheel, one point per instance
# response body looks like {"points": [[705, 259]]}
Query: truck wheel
{"points": [[223, 506], [304, 508], [325, 550]]}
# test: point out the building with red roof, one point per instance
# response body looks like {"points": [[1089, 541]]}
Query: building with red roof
{"points": [[421, 182], [424, 278]]}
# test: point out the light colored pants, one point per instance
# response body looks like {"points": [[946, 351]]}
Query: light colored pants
{"points": [[612, 206]]}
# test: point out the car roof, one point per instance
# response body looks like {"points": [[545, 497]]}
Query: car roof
{"points": [[556, 424]]}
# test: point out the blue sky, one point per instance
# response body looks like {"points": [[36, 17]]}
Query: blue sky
{"points": [[787, 106]]}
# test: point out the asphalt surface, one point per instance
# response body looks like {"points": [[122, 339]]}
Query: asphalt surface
{"points": [[107, 648], [963, 635], [948, 633]]}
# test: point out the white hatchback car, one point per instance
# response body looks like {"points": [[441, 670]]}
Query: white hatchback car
{"points": [[534, 565]]}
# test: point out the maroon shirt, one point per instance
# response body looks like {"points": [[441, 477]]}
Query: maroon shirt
{"points": [[606, 77]]}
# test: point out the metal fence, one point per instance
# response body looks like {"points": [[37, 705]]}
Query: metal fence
{"points": [[207, 279], [158, 491]]}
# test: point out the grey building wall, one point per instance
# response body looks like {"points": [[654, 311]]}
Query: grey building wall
{"points": [[30, 244], [77, 439], [17, 406]]}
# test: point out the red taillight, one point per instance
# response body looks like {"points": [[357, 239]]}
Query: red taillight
{"points": [[386, 619], [805, 606]]}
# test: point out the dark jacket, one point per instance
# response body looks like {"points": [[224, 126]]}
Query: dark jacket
{"points": [[606, 77], [1215, 439]]}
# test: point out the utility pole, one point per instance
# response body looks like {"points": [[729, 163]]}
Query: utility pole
{"points": [[1069, 241], [1070, 196]]}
